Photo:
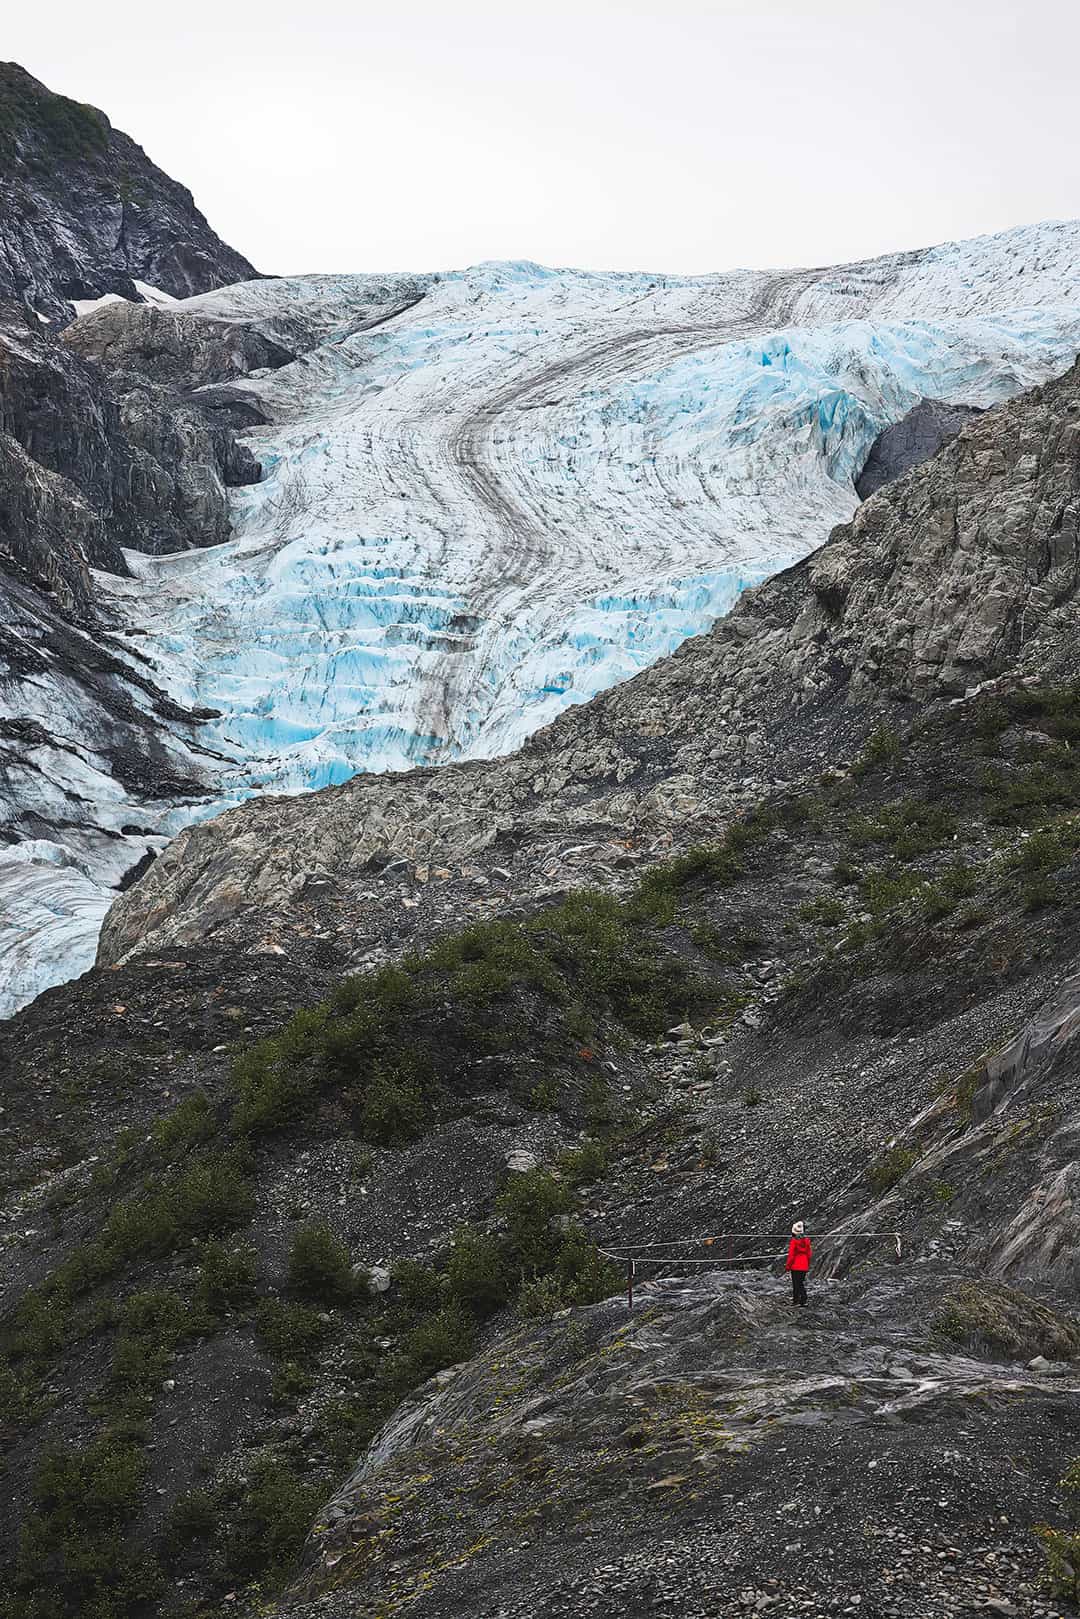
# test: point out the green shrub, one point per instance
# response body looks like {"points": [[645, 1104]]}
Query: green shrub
{"points": [[544, 1096], [39, 1328], [394, 1109], [597, 1104], [715, 866], [190, 1123], [541, 1299], [442, 1340], [320, 1265], [585, 1164], [881, 748], [1048, 849], [476, 1272], [598, 950], [227, 1277], [194, 1517], [532, 1206], [210, 1193], [1041, 894], [290, 1331], [1028, 797], [150, 1325], [73, 1558], [826, 911], [265, 1530], [907, 828], [417, 1286], [19, 1402], [882, 892], [290, 1383], [941, 897], [1062, 1546], [1062, 1550], [274, 1081], [582, 1274]]}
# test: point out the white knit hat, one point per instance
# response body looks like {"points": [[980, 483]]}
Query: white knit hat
{"points": [[797, 1229]]}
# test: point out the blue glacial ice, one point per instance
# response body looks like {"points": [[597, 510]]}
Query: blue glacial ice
{"points": [[527, 485]]}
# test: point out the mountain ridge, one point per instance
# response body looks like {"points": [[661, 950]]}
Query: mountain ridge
{"points": [[84, 213]]}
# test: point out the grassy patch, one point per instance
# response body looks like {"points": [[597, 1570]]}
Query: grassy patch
{"points": [[906, 829], [48, 127], [1003, 1322]]}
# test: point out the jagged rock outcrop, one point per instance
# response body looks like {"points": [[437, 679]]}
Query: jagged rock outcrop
{"points": [[151, 469], [169, 347], [707, 1454], [963, 569], [95, 759], [99, 451], [84, 212], [911, 441]]}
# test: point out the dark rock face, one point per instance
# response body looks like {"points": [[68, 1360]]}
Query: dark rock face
{"points": [[911, 441], [84, 212], [106, 444], [146, 469], [171, 348]]}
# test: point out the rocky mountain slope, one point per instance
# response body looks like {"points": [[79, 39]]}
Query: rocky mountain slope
{"points": [[84, 213], [101, 455], [487, 495], [311, 1313]]}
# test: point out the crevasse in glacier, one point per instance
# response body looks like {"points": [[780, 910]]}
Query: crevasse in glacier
{"points": [[515, 486]]}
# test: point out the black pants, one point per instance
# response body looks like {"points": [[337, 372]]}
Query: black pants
{"points": [[798, 1287]]}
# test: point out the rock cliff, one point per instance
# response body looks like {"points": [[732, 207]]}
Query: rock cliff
{"points": [[84, 212], [104, 448]]}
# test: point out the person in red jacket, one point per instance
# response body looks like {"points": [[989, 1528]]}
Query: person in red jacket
{"points": [[798, 1261]]}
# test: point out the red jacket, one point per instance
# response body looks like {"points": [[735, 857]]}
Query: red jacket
{"points": [[798, 1254]]}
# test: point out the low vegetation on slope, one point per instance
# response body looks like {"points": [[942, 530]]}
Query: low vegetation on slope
{"points": [[50, 126], [165, 1253]]}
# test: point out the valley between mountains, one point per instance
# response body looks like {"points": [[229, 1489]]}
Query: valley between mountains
{"points": [[635, 836]]}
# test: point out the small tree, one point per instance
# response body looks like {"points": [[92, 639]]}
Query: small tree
{"points": [[1062, 1546], [319, 1263], [393, 1110], [477, 1272]]}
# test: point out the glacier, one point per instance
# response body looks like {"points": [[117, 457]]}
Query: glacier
{"points": [[490, 494]]}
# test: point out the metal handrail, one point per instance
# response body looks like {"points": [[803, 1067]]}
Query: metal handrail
{"points": [[642, 1251]]}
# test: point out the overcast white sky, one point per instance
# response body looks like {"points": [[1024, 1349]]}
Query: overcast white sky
{"points": [[675, 135]]}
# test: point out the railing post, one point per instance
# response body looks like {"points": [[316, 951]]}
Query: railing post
{"points": [[630, 1284]]}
